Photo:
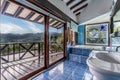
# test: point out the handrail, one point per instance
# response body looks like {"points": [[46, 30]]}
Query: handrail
{"points": [[16, 51], [20, 42]]}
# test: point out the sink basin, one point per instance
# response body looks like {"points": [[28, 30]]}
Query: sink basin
{"points": [[105, 66]]}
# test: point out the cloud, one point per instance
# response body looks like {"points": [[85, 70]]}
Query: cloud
{"points": [[12, 28], [16, 29], [33, 28]]}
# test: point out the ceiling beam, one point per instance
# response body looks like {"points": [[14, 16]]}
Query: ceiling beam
{"points": [[51, 21], [18, 11], [60, 26], [38, 18], [41, 19], [80, 8], [77, 4], [57, 24], [30, 15], [4, 6], [50, 8], [78, 13], [69, 2], [53, 25]]}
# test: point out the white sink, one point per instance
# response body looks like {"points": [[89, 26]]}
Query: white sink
{"points": [[105, 66]]}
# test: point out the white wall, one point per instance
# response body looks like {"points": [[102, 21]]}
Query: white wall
{"points": [[74, 26], [95, 8], [63, 7], [99, 19]]}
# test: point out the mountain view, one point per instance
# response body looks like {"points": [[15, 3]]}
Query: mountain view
{"points": [[18, 30], [29, 37]]}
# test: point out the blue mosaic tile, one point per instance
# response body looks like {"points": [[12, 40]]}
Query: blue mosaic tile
{"points": [[83, 67], [76, 77], [71, 57], [75, 58], [60, 77], [88, 76], [86, 52], [83, 59], [80, 71], [52, 74], [41, 77], [66, 70], [79, 60], [79, 55], [78, 51]]}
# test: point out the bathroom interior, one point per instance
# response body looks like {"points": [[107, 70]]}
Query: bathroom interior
{"points": [[60, 40]]}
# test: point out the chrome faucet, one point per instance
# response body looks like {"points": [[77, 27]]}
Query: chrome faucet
{"points": [[117, 48]]}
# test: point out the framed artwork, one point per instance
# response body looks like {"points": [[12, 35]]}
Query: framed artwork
{"points": [[96, 34]]}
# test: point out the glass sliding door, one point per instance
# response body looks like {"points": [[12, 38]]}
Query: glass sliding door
{"points": [[21, 41], [24, 41], [56, 40]]}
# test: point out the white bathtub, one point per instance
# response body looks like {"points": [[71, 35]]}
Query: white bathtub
{"points": [[105, 66], [88, 47]]}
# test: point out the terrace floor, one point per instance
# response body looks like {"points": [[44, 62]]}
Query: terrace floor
{"points": [[66, 70], [17, 69]]}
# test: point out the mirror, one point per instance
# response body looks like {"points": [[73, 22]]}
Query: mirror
{"points": [[115, 27], [116, 23], [115, 36]]}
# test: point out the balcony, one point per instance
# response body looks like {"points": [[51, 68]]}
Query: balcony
{"points": [[20, 59], [30, 41]]}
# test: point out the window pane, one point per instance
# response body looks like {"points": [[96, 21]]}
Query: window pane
{"points": [[56, 40], [22, 42]]}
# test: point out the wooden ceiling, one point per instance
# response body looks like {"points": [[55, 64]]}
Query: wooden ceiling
{"points": [[15, 10], [76, 6]]}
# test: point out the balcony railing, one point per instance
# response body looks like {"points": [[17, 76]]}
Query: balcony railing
{"points": [[55, 51], [18, 51], [18, 59]]}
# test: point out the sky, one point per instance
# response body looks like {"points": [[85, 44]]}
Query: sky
{"points": [[13, 25]]}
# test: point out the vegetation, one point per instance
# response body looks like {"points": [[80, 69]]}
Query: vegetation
{"points": [[56, 42], [30, 37]]}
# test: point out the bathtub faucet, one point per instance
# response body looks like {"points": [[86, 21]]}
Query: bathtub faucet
{"points": [[117, 48]]}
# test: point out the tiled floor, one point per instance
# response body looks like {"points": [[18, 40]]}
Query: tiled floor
{"points": [[66, 70]]}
